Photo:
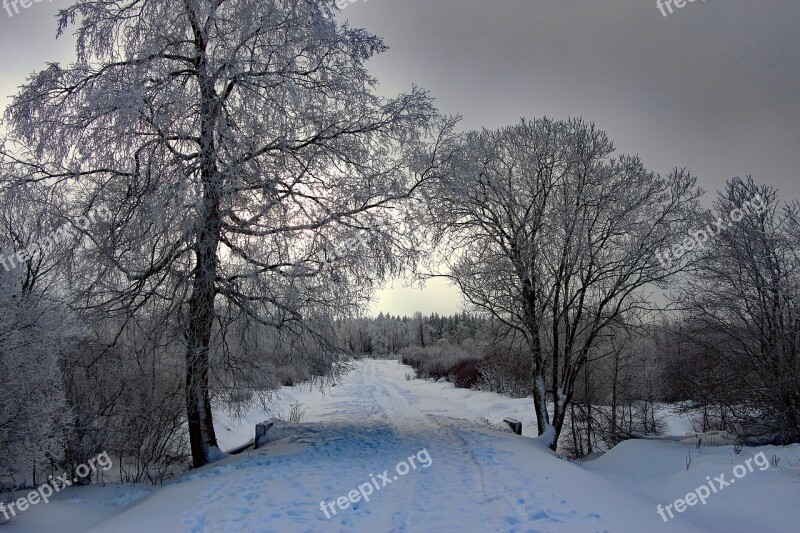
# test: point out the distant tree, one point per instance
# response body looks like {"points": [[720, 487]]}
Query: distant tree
{"points": [[419, 331]]}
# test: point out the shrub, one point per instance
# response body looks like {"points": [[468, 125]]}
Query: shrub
{"points": [[443, 360], [465, 374], [506, 369]]}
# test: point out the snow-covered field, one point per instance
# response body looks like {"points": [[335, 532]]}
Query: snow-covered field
{"points": [[474, 474]]}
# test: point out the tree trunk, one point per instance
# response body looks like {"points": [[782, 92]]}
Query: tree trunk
{"points": [[588, 396], [539, 387], [540, 404], [543, 425], [559, 416], [203, 440], [614, 383], [200, 322]]}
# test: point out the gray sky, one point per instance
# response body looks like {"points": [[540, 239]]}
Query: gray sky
{"points": [[714, 86]]}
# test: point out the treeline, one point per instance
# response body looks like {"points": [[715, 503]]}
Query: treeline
{"points": [[438, 347], [387, 334]]}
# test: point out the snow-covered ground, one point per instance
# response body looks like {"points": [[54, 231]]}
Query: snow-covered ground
{"points": [[470, 473]]}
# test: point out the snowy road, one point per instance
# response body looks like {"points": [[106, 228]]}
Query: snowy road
{"points": [[479, 477]]}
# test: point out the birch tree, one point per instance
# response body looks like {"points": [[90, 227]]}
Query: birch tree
{"points": [[236, 142], [548, 233]]}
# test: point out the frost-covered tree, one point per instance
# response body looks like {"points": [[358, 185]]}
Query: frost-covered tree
{"points": [[548, 233], [743, 312], [35, 332], [419, 331], [27, 222], [389, 334], [237, 143]]}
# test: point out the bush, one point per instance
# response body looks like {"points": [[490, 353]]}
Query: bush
{"points": [[506, 370], [443, 360], [465, 374]]}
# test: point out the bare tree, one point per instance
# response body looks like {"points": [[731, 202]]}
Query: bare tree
{"points": [[236, 143], [543, 230], [743, 311]]}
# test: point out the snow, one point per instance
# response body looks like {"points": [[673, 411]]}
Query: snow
{"points": [[482, 477], [77, 509], [215, 454]]}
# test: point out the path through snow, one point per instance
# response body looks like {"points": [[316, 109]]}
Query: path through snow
{"points": [[481, 478]]}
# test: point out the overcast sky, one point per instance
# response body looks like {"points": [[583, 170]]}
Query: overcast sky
{"points": [[713, 87]]}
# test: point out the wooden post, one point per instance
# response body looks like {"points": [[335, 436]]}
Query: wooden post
{"points": [[514, 424], [261, 430]]}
